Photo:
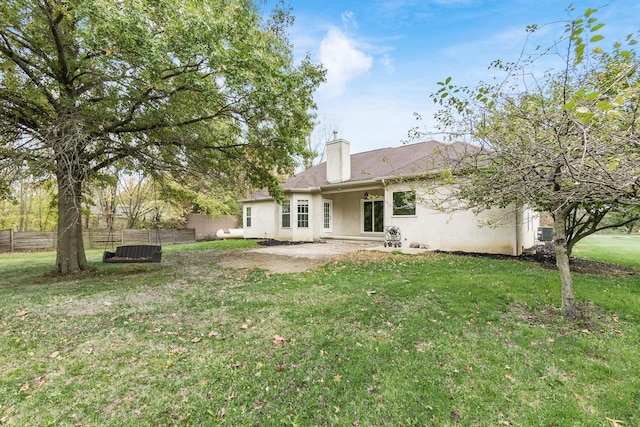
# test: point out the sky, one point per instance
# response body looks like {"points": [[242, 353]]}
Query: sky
{"points": [[384, 57]]}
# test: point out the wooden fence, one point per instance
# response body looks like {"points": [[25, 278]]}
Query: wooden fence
{"points": [[31, 241]]}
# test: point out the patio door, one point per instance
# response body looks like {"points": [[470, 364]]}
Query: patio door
{"points": [[372, 216], [327, 216]]}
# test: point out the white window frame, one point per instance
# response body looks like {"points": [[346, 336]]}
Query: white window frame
{"points": [[286, 203], [327, 215], [393, 204], [247, 217], [302, 214], [363, 202]]}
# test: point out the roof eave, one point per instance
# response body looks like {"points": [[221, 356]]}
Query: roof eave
{"points": [[308, 190], [352, 184]]}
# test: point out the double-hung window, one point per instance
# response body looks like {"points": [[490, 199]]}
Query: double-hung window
{"points": [[286, 214], [303, 213], [247, 217]]}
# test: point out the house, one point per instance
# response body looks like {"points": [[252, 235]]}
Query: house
{"points": [[355, 196]]}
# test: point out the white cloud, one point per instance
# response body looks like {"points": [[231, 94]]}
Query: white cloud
{"points": [[349, 20], [343, 59], [387, 63]]}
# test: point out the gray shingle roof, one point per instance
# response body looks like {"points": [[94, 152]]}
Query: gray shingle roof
{"points": [[406, 160], [376, 165]]}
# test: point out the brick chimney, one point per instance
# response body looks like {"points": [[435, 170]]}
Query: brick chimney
{"points": [[338, 161]]}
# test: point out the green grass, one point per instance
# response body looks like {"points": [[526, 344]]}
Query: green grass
{"points": [[621, 250], [383, 340]]}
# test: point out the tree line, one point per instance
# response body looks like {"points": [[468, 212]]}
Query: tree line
{"points": [[130, 201]]}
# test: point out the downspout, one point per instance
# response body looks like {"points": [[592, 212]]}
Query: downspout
{"points": [[518, 250]]}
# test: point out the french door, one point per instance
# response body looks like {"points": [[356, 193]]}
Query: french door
{"points": [[327, 216]]}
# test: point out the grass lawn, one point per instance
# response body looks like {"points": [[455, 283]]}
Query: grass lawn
{"points": [[373, 339], [622, 250]]}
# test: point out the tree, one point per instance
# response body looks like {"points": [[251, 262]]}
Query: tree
{"points": [[101, 198], [179, 87], [136, 200], [207, 197], [566, 143], [28, 206], [625, 221], [323, 132]]}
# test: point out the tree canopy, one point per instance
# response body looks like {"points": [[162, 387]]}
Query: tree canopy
{"points": [[565, 142], [178, 88]]}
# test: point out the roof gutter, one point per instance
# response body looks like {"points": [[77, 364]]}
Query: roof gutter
{"points": [[309, 190]]}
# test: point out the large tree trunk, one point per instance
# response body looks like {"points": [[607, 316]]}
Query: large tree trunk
{"points": [[70, 255], [68, 141], [569, 310]]}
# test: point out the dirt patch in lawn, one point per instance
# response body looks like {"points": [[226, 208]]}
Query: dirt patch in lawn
{"points": [[266, 261], [288, 258]]}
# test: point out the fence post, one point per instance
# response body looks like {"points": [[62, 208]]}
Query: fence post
{"points": [[11, 240]]}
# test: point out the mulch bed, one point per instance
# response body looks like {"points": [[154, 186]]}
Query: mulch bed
{"points": [[545, 257]]}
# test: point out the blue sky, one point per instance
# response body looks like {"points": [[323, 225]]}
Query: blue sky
{"points": [[384, 57]]}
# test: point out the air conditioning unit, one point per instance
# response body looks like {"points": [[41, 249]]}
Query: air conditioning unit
{"points": [[545, 234]]}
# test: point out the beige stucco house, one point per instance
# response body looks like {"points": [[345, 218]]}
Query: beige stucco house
{"points": [[354, 196]]}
